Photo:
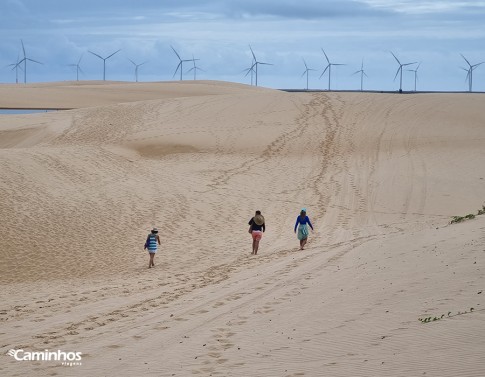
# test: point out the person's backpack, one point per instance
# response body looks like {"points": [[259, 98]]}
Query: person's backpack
{"points": [[147, 242]]}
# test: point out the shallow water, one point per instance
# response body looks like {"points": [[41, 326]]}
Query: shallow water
{"points": [[22, 111]]}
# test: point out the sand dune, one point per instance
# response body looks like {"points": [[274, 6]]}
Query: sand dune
{"points": [[380, 174]]}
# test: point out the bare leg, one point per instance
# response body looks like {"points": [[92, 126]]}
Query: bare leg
{"points": [[150, 264], [303, 243], [256, 247]]}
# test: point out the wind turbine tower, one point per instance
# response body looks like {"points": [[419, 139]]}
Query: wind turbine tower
{"points": [[329, 68], [78, 68], [136, 68], [16, 66], [24, 60], [470, 72], [399, 70], [104, 61], [415, 75], [362, 74], [255, 64], [306, 72]]}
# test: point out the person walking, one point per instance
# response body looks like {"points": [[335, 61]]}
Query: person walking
{"points": [[256, 228], [301, 222], [151, 244]]}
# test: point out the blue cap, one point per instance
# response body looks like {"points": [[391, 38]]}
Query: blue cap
{"points": [[303, 209]]}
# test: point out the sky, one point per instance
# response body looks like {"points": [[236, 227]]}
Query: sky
{"points": [[434, 34]]}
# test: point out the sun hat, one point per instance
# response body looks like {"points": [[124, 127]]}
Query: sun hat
{"points": [[303, 209], [259, 219], [154, 230]]}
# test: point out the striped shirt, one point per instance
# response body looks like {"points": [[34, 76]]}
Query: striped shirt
{"points": [[152, 242]]}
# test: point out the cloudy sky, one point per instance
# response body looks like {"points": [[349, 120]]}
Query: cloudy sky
{"points": [[219, 32]]}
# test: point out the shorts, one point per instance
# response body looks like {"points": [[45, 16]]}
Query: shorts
{"points": [[152, 251], [257, 235]]}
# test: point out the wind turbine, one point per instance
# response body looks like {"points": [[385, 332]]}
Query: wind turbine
{"points": [[104, 61], [250, 70], [16, 66], [181, 64], [415, 75], [467, 79], [195, 68], [24, 60], [329, 67], [136, 68], [306, 72], [362, 74], [255, 64], [399, 70], [78, 67], [470, 72]]}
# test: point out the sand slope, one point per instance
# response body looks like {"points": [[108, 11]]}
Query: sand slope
{"points": [[380, 174]]}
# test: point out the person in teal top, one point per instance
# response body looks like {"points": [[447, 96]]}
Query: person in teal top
{"points": [[301, 223]]}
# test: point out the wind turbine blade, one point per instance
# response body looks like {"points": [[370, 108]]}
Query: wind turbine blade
{"points": [[176, 53], [32, 60], [265, 63], [398, 62], [418, 66], [397, 73], [409, 63], [132, 62], [252, 52], [80, 59], [466, 60], [143, 63], [80, 70], [247, 71], [113, 54], [325, 70], [176, 70], [326, 57], [365, 74], [23, 48], [96, 55], [304, 62], [356, 72], [338, 64], [476, 65], [303, 74]]}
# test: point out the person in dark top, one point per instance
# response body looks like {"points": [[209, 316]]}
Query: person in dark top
{"points": [[256, 229], [301, 223]]}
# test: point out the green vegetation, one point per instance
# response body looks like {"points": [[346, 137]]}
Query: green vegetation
{"points": [[433, 319], [470, 216]]}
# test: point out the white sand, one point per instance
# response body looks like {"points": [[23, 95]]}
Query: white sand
{"points": [[380, 174]]}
